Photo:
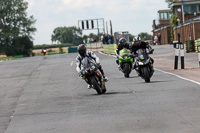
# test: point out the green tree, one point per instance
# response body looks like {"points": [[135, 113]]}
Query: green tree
{"points": [[169, 1], [14, 24], [145, 36], [67, 35], [131, 37], [174, 23], [92, 35]]}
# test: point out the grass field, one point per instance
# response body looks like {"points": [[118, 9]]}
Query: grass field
{"points": [[5, 58], [38, 52]]}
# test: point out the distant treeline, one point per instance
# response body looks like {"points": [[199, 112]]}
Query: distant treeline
{"points": [[47, 46]]}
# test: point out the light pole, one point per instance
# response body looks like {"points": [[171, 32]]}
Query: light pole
{"points": [[183, 12], [179, 11]]}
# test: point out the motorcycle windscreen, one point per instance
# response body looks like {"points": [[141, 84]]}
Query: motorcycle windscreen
{"points": [[86, 63], [142, 54], [124, 52]]}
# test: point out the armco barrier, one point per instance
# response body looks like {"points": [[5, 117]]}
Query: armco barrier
{"points": [[190, 46], [109, 49], [72, 50], [197, 44], [95, 47]]}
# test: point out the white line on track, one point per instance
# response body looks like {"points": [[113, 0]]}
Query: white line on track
{"points": [[72, 63], [178, 76]]}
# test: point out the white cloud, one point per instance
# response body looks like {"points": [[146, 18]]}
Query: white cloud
{"points": [[76, 4], [133, 15], [30, 4]]}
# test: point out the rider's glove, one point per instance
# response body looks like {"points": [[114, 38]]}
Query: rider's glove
{"points": [[117, 55], [151, 51], [98, 65], [80, 74]]}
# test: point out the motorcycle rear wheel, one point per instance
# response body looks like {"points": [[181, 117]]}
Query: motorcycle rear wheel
{"points": [[96, 86]]}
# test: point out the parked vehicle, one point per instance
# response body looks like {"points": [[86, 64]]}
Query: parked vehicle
{"points": [[125, 61], [144, 64], [92, 75]]}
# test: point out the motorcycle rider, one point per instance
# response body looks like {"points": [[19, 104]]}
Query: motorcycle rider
{"points": [[122, 45], [140, 44], [87, 54]]}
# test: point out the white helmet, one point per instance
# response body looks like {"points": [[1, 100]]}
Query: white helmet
{"points": [[137, 38]]}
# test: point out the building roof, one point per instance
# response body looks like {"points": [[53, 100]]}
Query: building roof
{"points": [[179, 2], [190, 21], [165, 10], [193, 19], [176, 1]]}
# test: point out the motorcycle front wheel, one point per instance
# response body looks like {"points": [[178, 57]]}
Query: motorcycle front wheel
{"points": [[104, 89], [96, 85], [146, 74], [126, 70]]}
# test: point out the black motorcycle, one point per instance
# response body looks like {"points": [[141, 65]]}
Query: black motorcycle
{"points": [[92, 75], [144, 64]]}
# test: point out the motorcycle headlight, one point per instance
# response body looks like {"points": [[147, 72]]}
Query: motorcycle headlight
{"points": [[140, 63]]}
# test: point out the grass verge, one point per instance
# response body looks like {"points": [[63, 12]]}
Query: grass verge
{"points": [[6, 58]]}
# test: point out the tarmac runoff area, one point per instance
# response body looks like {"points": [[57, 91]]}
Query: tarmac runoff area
{"points": [[164, 60]]}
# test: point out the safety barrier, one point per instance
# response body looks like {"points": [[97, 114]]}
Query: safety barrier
{"points": [[72, 50], [197, 44], [109, 49], [95, 47], [179, 49], [190, 46]]}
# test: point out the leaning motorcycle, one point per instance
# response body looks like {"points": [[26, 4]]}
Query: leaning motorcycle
{"points": [[144, 64], [92, 75], [125, 61]]}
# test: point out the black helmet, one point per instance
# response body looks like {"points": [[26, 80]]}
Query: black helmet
{"points": [[82, 49], [122, 41]]}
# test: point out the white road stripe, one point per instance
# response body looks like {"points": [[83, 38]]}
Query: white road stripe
{"points": [[72, 63], [178, 76]]}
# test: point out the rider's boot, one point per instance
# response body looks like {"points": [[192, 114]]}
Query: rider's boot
{"points": [[89, 86], [105, 78]]}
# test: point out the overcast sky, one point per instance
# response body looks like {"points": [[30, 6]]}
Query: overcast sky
{"points": [[134, 16]]}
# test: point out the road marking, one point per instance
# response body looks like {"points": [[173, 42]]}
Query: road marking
{"points": [[178, 76], [72, 63]]}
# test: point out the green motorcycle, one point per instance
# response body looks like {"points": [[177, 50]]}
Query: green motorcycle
{"points": [[125, 61]]}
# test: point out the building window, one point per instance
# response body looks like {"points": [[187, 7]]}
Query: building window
{"points": [[190, 9], [164, 16], [170, 15], [198, 8]]}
